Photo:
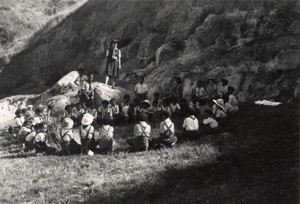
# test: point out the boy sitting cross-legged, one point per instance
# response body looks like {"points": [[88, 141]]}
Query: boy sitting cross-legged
{"points": [[166, 132], [191, 126], [106, 133], [140, 141]]}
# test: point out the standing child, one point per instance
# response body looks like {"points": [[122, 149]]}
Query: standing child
{"points": [[17, 123], [200, 90], [224, 88], [66, 135], [166, 132], [191, 126], [106, 133], [115, 111], [78, 112], [174, 107], [141, 89], [40, 144], [140, 141], [231, 103], [86, 132]]}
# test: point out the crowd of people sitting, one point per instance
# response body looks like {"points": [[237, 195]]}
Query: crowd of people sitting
{"points": [[205, 113]]}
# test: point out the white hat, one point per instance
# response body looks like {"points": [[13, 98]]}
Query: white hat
{"points": [[67, 123], [30, 106], [146, 101], [87, 119], [220, 103]]}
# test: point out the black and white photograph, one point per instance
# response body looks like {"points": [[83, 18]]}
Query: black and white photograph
{"points": [[149, 101]]}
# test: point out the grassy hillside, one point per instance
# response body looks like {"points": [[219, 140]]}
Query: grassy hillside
{"points": [[256, 161]]}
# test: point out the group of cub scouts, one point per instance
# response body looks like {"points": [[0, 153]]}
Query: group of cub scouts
{"points": [[209, 104]]}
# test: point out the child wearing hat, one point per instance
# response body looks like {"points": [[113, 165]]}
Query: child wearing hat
{"points": [[66, 135], [140, 141], [191, 125], [17, 123], [166, 132], [86, 132], [106, 133], [40, 144], [218, 108]]}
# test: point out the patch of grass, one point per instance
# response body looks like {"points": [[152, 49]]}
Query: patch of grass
{"points": [[254, 160]]}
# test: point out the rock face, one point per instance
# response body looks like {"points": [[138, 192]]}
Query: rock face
{"points": [[255, 45]]}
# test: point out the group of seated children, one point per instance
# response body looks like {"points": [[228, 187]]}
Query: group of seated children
{"points": [[210, 105]]}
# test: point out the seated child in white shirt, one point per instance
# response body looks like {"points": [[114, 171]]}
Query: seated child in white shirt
{"points": [[140, 141], [24, 131], [17, 123], [166, 132], [106, 133], [191, 126]]}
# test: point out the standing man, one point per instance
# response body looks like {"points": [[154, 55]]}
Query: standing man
{"points": [[113, 62], [87, 90], [141, 89]]}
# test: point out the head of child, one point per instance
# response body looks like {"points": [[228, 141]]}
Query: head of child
{"points": [[230, 90], [113, 102], [67, 124], [145, 104], [38, 112], [224, 82], [136, 101], [142, 79], [68, 108], [165, 114], [50, 107], [200, 83], [174, 101], [126, 98], [156, 95], [131, 105], [155, 103], [191, 112], [41, 127], [106, 121], [90, 104], [183, 102], [30, 108], [18, 113], [90, 77], [105, 103], [165, 103], [178, 80], [87, 119], [24, 110], [142, 117], [194, 98], [211, 82], [78, 106], [27, 124]]}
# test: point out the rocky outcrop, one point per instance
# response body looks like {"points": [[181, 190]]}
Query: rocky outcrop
{"points": [[253, 44]]}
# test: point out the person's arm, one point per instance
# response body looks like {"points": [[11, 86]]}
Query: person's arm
{"points": [[91, 133], [184, 124], [119, 59]]}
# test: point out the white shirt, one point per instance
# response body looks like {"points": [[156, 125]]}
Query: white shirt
{"points": [[175, 107], [163, 127], [17, 122], [37, 120], [138, 131], [211, 122], [78, 113], [23, 131], [106, 132], [141, 88], [88, 87], [105, 112], [30, 136], [115, 109], [67, 135], [40, 137], [89, 129], [191, 123]]}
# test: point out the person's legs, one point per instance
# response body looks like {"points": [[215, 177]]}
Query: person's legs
{"points": [[106, 79], [113, 82]]}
